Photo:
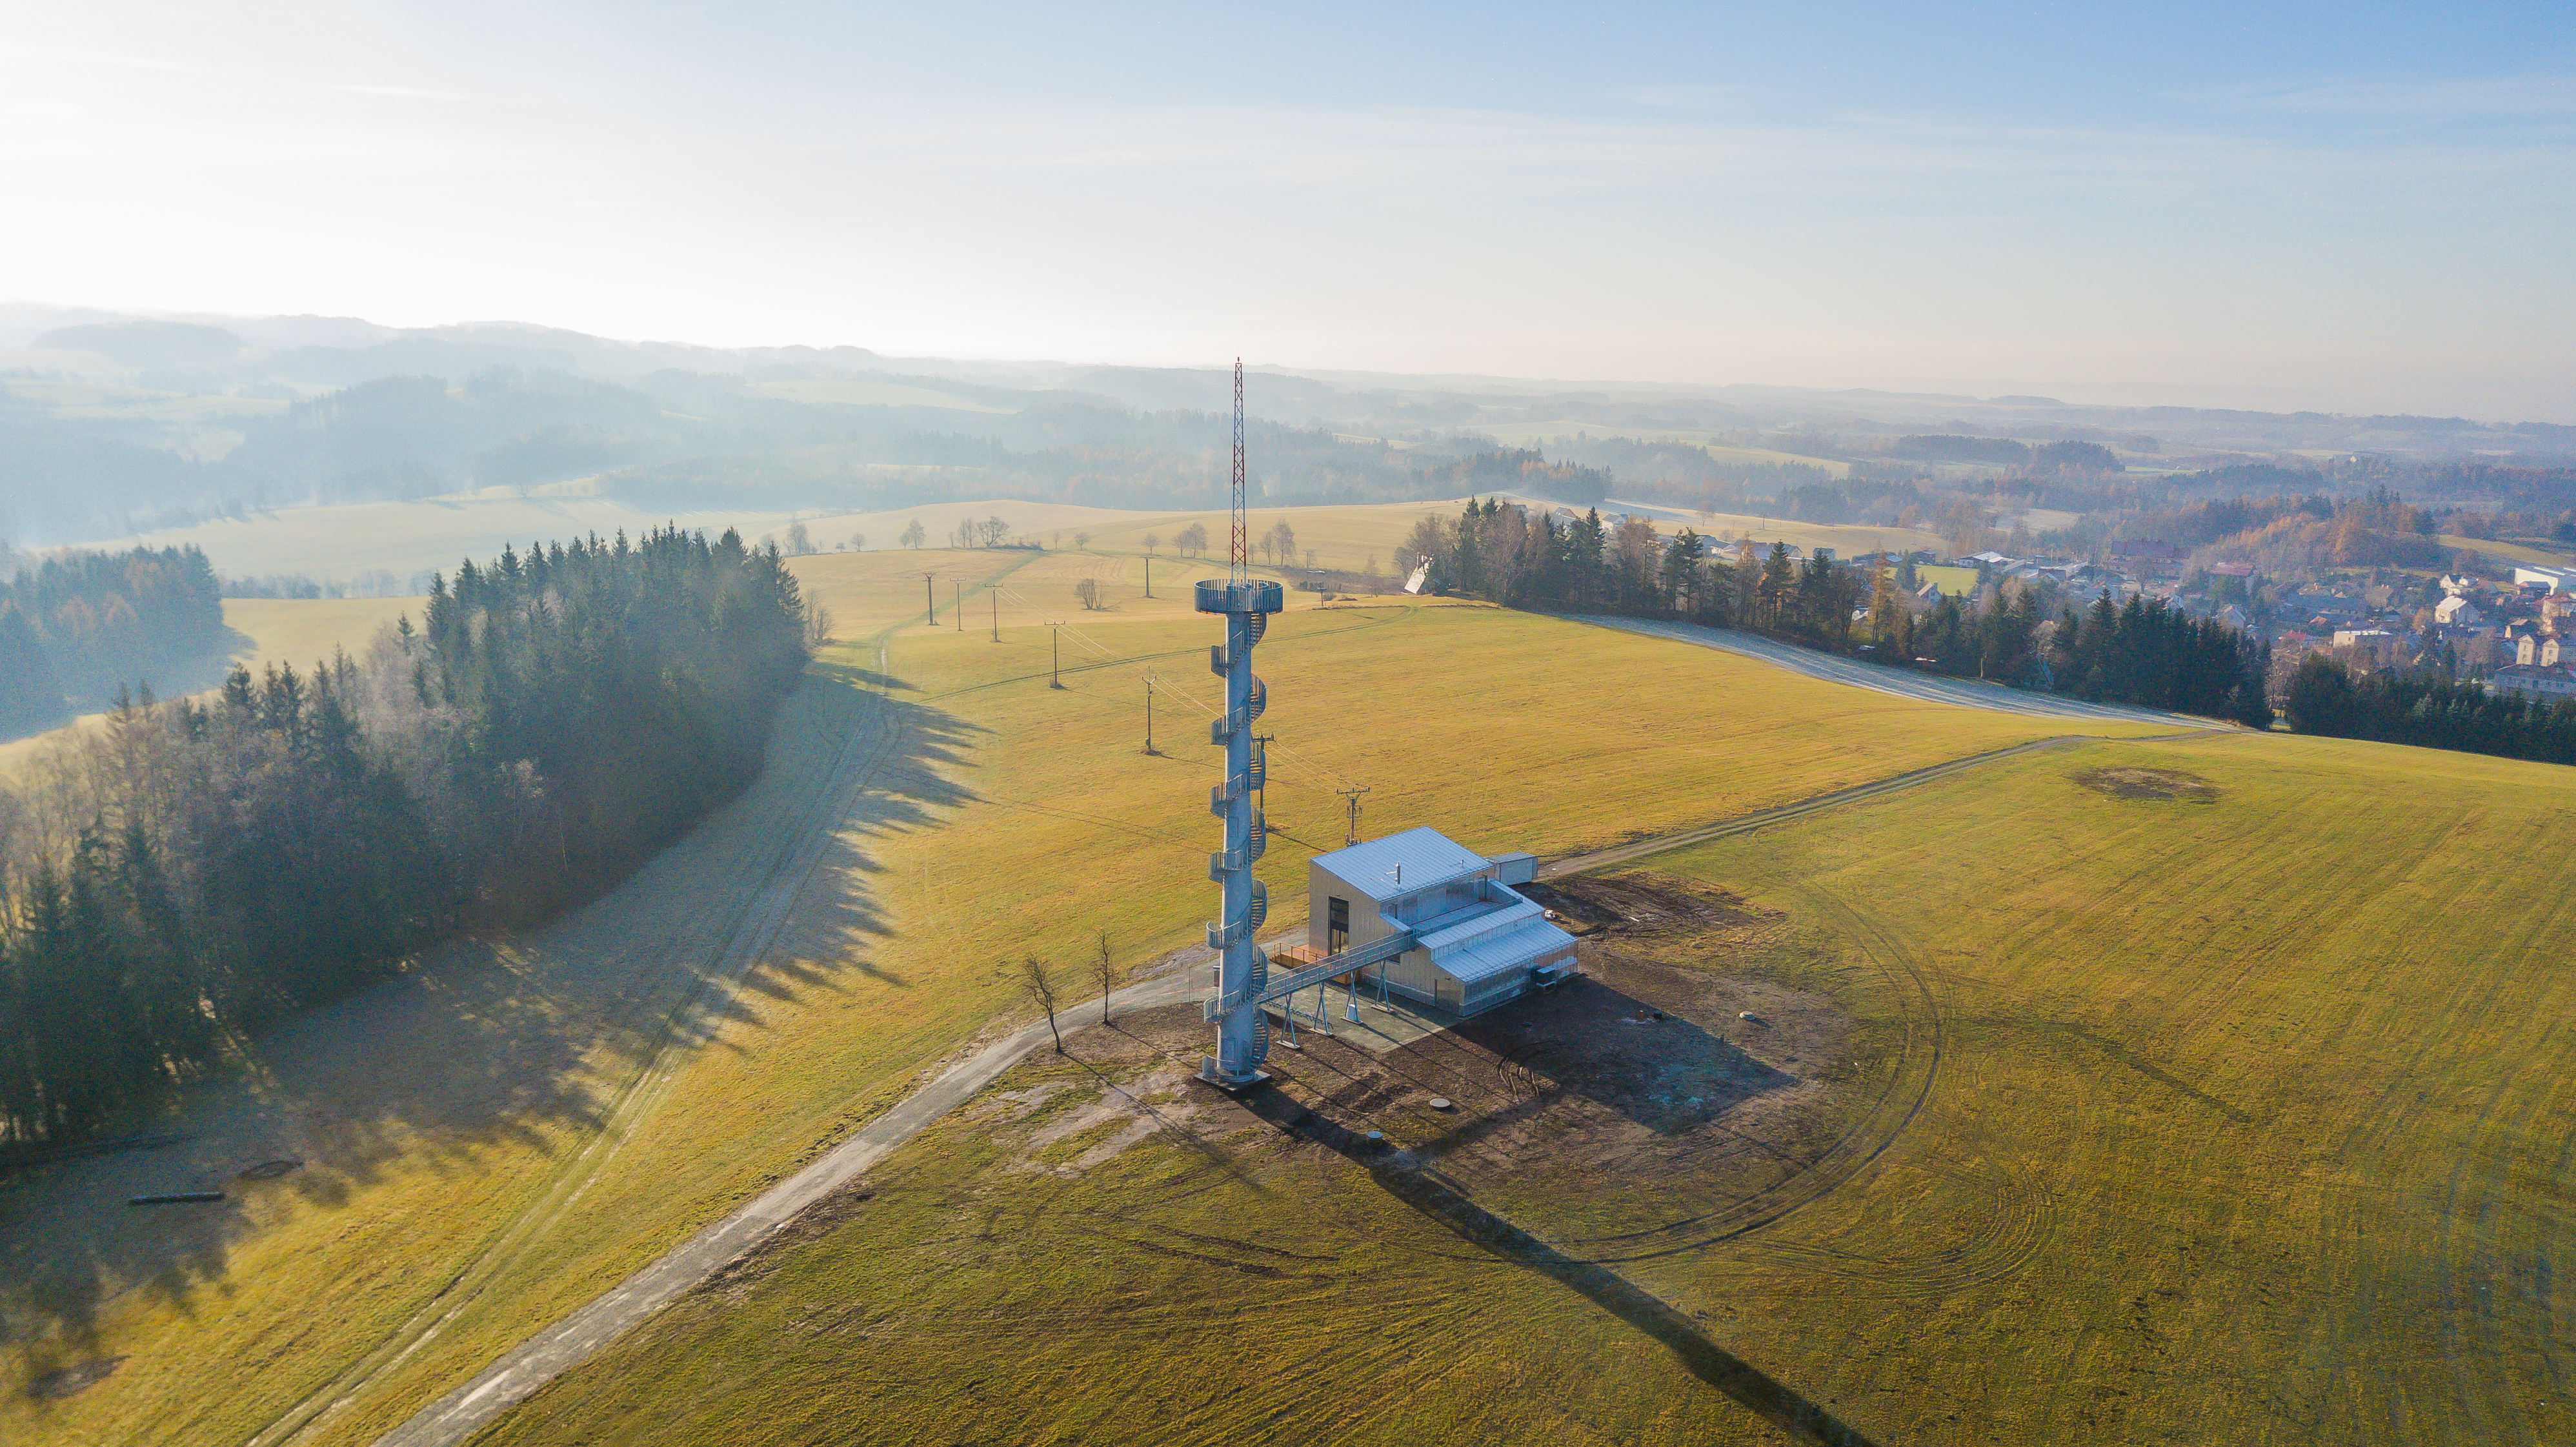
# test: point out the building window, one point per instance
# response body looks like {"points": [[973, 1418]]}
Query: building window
{"points": [[1337, 926]]}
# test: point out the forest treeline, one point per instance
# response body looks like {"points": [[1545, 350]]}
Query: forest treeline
{"points": [[79, 622], [190, 871], [2327, 698], [2029, 634]]}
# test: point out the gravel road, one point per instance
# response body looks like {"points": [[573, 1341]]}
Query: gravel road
{"points": [[1900, 682], [570, 1342]]}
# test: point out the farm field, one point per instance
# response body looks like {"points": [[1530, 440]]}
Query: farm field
{"points": [[1347, 537], [403, 538], [793, 966], [1543, 434], [1956, 582], [2510, 552], [2207, 1090], [408, 538]]}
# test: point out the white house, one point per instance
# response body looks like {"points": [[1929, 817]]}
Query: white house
{"points": [[2457, 611], [2547, 684], [2553, 580], [2533, 651], [1476, 941]]}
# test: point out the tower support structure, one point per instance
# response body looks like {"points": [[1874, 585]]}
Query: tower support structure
{"points": [[1243, 1031]]}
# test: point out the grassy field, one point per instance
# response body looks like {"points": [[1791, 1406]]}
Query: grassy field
{"points": [[2204, 1091], [2538, 557], [1541, 434], [1348, 537], [1957, 582], [443, 1212]]}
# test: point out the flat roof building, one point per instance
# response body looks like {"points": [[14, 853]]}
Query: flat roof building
{"points": [[1477, 942]]}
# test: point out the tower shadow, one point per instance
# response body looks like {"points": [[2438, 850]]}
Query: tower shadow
{"points": [[1396, 1173]]}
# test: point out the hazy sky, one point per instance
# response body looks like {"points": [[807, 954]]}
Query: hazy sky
{"points": [[2347, 206]]}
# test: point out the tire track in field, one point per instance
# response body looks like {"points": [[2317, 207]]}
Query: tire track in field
{"points": [[761, 912], [856, 746], [578, 1337], [1746, 824]]}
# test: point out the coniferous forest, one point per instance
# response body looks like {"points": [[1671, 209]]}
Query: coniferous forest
{"points": [[2328, 698], [193, 870], [2028, 634]]}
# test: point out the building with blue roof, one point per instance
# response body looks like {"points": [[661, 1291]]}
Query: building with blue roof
{"points": [[1476, 942]]}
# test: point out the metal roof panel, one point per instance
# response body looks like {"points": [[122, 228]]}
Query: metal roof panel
{"points": [[1424, 856]]}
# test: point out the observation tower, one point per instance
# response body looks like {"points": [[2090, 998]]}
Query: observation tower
{"points": [[1243, 1030]]}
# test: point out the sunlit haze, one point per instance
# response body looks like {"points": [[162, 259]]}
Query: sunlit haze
{"points": [[2343, 208]]}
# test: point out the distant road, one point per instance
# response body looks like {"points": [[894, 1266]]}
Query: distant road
{"points": [[1899, 682]]}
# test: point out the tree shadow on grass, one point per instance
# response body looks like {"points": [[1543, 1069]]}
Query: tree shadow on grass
{"points": [[485, 1049], [1401, 1176]]}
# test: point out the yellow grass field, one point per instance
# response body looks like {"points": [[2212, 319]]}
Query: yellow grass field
{"points": [[2507, 552], [1348, 537], [960, 814], [2236, 1115]]}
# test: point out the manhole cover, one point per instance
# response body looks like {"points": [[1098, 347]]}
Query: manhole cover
{"points": [[1440, 1102]]}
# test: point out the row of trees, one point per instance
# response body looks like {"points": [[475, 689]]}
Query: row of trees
{"points": [[191, 871], [2144, 652], [2327, 698], [80, 621]]}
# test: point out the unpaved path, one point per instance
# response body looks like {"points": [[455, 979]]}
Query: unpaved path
{"points": [[1746, 824], [520, 1373], [575, 1339], [1900, 682]]}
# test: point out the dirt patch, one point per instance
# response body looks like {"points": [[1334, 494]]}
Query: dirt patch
{"points": [[2148, 784], [812, 1224], [1644, 1069], [1640, 903]]}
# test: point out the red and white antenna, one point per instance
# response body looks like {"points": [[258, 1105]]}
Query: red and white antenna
{"points": [[1242, 536]]}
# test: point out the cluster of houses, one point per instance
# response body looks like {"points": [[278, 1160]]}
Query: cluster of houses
{"points": [[2520, 636], [2509, 633]]}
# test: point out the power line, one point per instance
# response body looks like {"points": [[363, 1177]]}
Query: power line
{"points": [[1353, 795]]}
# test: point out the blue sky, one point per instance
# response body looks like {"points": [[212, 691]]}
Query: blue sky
{"points": [[2355, 208]]}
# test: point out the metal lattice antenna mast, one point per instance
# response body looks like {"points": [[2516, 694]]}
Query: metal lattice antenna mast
{"points": [[1242, 533]]}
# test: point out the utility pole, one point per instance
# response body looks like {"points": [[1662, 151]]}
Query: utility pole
{"points": [[1261, 755], [1353, 795], [1055, 651], [1149, 575], [997, 615], [930, 598], [1149, 713], [957, 607]]}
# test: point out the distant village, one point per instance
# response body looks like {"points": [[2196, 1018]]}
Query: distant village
{"points": [[2515, 634]]}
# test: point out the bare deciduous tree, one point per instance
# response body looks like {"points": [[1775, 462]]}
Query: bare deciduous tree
{"points": [[1105, 970], [1039, 977], [1088, 590], [818, 626], [913, 535]]}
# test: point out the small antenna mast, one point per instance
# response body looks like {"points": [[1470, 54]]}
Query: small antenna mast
{"points": [[1242, 536]]}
